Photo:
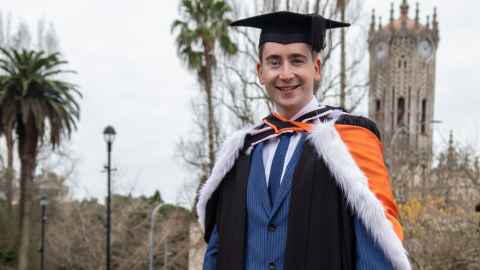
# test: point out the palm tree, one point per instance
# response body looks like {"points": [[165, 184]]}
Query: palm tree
{"points": [[40, 108], [202, 29]]}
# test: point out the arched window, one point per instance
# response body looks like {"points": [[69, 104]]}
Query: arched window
{"points": [[378, 110], [392, 111], [401, 61], [424, 117], [400, 111]]}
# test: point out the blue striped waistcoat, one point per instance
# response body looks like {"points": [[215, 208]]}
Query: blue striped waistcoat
{"points": [[266, 233]]}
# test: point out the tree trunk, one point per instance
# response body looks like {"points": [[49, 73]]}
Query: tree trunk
{"points": [[9, 173], [211, 114], [274, 5], [208, 83], [27, 146], [343, 61], [316, 8]]}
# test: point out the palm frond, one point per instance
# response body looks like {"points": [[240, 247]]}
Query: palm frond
{"points": [[204, 26], [30, 92]]}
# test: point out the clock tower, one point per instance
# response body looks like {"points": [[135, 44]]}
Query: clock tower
{"points": [[402, 83]]}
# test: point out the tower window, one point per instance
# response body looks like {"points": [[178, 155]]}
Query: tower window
{"points": [[378, 109], [424, 117], [392, 117], [400, 111], [405, 64], [409, 105]]}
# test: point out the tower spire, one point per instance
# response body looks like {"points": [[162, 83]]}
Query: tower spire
{"points": [[404, 9], [435, 22], [372, 25], [451, 151], [417, 14], [435, 25], [380, 26], [392, 11], [428, 22]]}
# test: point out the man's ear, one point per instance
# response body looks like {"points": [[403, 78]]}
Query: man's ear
{"points": [[317, 64], [260, 73]]}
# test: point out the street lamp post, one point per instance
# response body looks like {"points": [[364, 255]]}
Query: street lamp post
{"points": [[151, 238], [43, 204], [109, 136]]}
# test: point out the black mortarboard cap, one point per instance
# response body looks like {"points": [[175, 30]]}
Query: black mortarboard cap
{"points": [[289, 27]]}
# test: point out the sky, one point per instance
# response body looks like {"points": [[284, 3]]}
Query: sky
{"points": [[131, 78]]}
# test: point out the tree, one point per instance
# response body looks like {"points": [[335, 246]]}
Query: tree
{"points": [[75, 238], [202, 29], [21, 39], [38, 106], [437, 205]]}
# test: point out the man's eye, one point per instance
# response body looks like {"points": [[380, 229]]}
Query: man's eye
{"points": [[274, 62], [297, 61]]}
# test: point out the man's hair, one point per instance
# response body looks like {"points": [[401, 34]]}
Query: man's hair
{"points": [[260, 52]]}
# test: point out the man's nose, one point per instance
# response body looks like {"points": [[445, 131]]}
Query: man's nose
{"points": [[286, 73]]}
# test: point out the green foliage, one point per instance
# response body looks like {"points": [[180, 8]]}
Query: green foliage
{"points": [[156, 198], [8, 254], [29, 87], [35, 103], [7, 257], [204, 24]]}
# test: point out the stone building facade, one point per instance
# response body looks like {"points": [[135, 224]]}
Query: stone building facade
{"points": [[402, 82]]}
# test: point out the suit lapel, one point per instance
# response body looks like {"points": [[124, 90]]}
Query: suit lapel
{"points": [[260, 183], [286, 185]]}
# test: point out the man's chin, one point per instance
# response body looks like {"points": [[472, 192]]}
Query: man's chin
{"points": [[289, 106]]}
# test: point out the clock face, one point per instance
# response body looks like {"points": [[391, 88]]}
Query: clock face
{"points": [[425, 49], [381, 51]]}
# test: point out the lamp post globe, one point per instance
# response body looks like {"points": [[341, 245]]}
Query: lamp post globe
{"points": [[109, 134]]}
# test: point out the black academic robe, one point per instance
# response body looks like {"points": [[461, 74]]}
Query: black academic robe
{"points": [[321, 231]]}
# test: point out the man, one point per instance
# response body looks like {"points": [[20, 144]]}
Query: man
{"points": [[308, 187]]}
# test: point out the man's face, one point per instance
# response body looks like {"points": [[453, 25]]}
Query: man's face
{"points": [[288, 72]]}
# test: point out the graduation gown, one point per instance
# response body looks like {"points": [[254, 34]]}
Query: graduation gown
{"points": [[341, 175]]}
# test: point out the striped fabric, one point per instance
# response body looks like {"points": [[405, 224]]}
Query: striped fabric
{"points": [[267, 225], [369, 255]]}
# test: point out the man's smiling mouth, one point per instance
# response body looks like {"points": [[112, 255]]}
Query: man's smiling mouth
{"points": [[288, 88]]}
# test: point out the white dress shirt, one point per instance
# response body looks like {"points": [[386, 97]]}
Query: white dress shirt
{"points": [[271, 145]]}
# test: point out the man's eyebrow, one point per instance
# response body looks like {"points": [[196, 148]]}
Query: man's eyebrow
{"points": [[272, 57], [297, 55]]}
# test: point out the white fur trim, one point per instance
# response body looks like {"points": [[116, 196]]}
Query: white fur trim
{"points": [[354, 184], [226, 159]]}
